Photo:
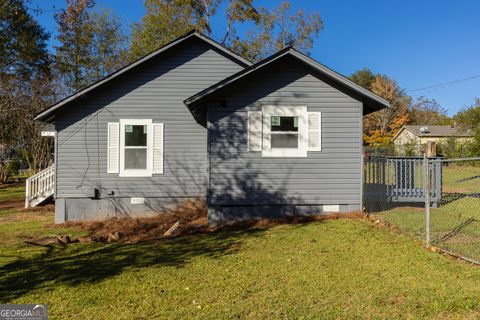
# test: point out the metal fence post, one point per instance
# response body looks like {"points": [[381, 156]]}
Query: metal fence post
{"points": [[426, 177]]}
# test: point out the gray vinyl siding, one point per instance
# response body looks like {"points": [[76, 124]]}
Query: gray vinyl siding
{"points": [[242, 177], [154, 90]]}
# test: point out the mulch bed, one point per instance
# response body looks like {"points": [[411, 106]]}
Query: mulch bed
{"points": [[189, 218], [188, 221]]}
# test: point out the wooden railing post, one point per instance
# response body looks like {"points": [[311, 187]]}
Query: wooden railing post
{"points": [[27, 194]]}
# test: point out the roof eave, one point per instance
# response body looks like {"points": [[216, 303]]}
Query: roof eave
{"points": [[444, 136], [378, 102], [335, 75], [42, 116], [225, 82], [398, 133]]}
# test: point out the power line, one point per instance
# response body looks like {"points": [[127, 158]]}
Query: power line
{"points": [[445, 84]]}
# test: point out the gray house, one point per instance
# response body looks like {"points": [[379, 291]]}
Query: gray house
{"points": [[191, 121]]}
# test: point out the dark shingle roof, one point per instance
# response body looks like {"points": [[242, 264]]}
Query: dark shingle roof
{"points": [[371, 101], [46, 114]]}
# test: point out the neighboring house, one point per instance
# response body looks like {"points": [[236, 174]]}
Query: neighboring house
{"points": [[412, 138], [192, 120]]}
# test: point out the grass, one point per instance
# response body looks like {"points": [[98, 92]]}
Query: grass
{"points": [[332, 269], [12, 192], [461, 178], [455, 224]]}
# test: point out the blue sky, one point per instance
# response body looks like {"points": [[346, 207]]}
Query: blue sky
{"points": [[419, 43]]}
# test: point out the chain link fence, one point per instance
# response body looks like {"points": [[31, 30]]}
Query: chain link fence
{"points": [[455, 222], [434, 200]]}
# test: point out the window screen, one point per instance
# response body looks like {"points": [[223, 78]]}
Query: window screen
{"points": [[284, 132], [135, 146]]}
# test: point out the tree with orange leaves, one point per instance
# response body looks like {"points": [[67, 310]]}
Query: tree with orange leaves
{"points": [[381, 126]]}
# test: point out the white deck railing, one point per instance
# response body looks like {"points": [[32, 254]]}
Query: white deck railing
{"points": [[40, 186]]}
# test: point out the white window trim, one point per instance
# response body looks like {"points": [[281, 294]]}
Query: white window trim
{"points": [[136, 172], [298, 111]]}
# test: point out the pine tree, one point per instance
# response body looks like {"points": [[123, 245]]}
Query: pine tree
{"points": [[24, 85], [23, 43], [72, 58]]}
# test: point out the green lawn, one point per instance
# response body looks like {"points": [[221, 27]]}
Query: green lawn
{"points": [[332, 269], [460, 178], [462, 215], [12, 192], [442, 219], [455, 225]]}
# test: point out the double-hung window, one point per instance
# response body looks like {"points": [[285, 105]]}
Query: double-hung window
{"points": [[136, 147], [285, 131]]}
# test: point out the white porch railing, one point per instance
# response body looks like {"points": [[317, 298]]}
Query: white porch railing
{"points": [[40, 187]]}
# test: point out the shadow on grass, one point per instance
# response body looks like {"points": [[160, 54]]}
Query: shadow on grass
{"points": [[449, 197], [79, 264]]}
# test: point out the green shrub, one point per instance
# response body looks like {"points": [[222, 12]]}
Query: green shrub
{"points": [[9, 169]]}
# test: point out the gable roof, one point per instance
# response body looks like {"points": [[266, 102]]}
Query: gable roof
{"points": [[45, 115], [371, 100], [435, 131]]}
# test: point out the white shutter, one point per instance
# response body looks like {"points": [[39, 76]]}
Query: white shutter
{"points": [[255, 130], [314, 131], [157, 148], [113, 147]]}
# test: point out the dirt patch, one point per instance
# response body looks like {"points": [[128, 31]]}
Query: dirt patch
{"points": [[12, 204], [41, 208]]}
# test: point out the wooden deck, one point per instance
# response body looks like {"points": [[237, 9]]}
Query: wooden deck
{"points": [[401, 179]]}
